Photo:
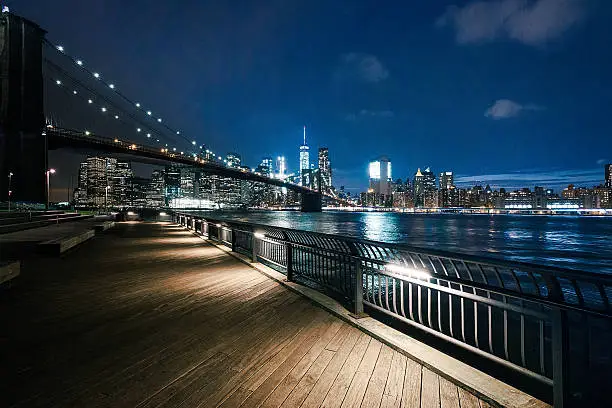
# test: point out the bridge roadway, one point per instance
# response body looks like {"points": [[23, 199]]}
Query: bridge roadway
{"points": [[148, 315]]}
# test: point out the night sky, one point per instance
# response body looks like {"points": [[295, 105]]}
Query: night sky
{"points": [[510, 92]]}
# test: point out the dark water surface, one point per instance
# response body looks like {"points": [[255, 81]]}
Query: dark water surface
{"points": [[565, 241]]}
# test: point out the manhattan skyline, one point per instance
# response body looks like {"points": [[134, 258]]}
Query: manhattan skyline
{"points": [[472, 87]]}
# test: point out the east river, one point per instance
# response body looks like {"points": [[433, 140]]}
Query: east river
{"points": [[577, 242]]}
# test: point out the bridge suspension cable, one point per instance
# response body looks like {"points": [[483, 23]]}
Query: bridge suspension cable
{"points": [[110, 85]]}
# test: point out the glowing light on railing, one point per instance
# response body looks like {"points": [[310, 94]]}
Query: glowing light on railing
{"points": [[408, 271], [218, 225], [259, 235], [131, 213], [163, 214]]}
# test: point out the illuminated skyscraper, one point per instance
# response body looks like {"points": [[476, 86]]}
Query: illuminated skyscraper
{"points": [[609, 175], [380, 181], [281, 167], [233, 160], [325, 169], [304, 157]]}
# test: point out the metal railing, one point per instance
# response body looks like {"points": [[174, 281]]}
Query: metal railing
{"points": [[514, 314]]}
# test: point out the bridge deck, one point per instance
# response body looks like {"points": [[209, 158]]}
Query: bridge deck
{"points": [[149, 316]]}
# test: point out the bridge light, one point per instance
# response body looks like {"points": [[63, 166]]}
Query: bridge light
{"points": [[159, 120], [193, 143], [174, 148], [87, 133], [158, 140], [149, 113], [162, 150], [74, 92], [89, 101], [111, 86], [148, 135], [58, 82], [79, 63], [103, 109], [220, 157], [116, 116], [138, 130], [178, 132], [60, 48], [137, 105], [96, 75], [116, 140]]}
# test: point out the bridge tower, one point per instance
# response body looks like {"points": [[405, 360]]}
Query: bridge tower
{"points": [[23, 147]]}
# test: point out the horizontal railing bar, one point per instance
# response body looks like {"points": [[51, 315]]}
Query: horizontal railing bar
{"points": [[467, 295]]}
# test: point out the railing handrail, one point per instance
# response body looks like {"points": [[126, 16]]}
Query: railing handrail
{"points": [[524, 266]]}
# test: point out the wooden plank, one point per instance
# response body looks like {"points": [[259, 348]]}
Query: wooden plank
{"points": [[392, 396], [378, 380], [308, 381], [321, 388], [265, 388], [449, 396], [357, 389], [484, 404], [411, 394], [467, 399], [430, 384], [336, 342], [341, 384], [284, 388]]}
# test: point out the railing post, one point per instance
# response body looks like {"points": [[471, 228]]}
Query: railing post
{"points": [[254, 245], [560, 355], [233, 240], [358, 290], [289, 255]]}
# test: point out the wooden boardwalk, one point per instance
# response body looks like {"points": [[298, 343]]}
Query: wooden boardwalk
{"points": [[150, 316]]}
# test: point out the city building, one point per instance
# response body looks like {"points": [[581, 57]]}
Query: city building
{"points": [[380, 182], [446, 191], [304, 159], [325, 170], [608, 175]]}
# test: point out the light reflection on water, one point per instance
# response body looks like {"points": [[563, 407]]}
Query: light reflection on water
{"points": [[572, 241]]}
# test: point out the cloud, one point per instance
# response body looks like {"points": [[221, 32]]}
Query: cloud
{"points": [[363, 67], [531, 22], [544, 178], [366, 113], [505, 108]]}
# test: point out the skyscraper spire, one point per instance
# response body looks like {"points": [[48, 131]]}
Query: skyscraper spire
{"points": [[304, 135]]}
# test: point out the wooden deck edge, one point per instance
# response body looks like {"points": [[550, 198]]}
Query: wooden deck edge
{"points": [[60, 245], [482, 385]]}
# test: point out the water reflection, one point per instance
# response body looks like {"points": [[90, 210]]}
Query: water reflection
{"points": [[576, 242]]}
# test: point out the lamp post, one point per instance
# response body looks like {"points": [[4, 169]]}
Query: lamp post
{"points": [[48, 172], [10, 176]]}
